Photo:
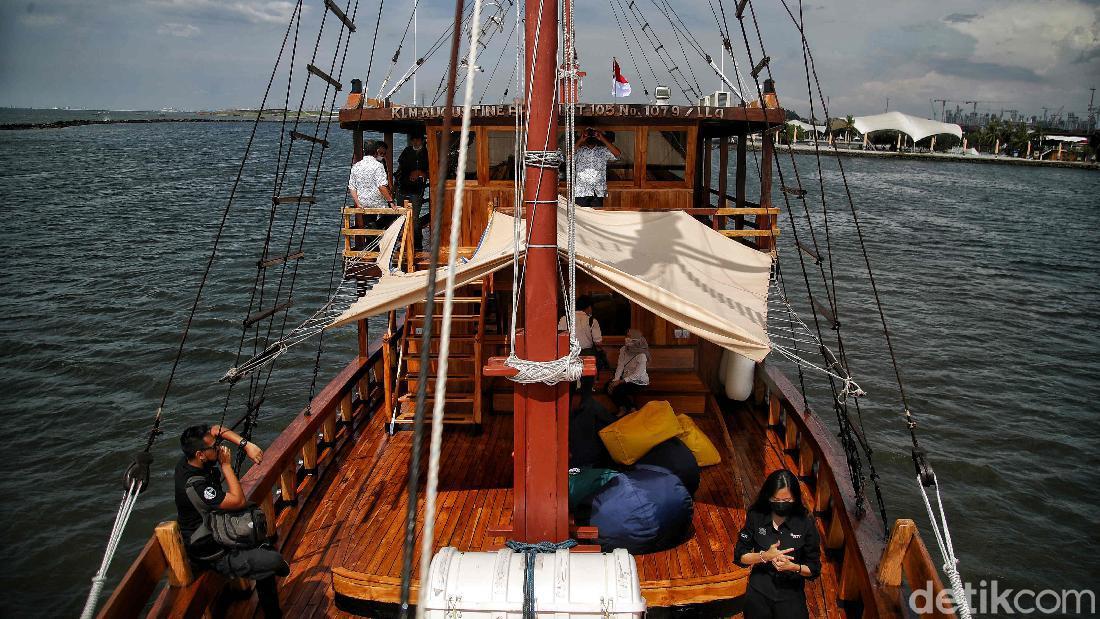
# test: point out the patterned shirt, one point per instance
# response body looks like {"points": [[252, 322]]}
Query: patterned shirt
{"points": [[367, 175], [592, 170]]}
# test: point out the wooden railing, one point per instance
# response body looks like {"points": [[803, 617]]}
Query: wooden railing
{"points": [[293, 467], [808, 448]]}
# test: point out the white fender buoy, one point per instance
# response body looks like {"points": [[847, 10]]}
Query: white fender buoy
{"points": [[738, 376], [723, 366]]}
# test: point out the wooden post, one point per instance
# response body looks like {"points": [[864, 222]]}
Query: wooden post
{"points": [[346, 408], [899, 142], [704, 202], [766, 222], [723, 177], [171, 544], [775, 407], [997, 147], [309, 454], [288, 483], [387, 137], [328, 427], [834, 535], [387, 368], [741, 179], [268, 507], [822, 492], [357, 155], [890, 567], [805, 460], [848, 588]]}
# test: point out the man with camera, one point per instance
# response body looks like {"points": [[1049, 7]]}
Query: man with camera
{"points": [[592, 152], [205, 506]]}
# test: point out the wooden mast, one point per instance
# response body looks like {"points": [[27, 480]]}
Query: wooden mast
{"points": [[541, 411]]}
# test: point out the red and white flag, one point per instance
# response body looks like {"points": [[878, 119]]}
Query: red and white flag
{"points": [[619, 86]]}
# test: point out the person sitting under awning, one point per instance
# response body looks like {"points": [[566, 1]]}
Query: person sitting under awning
{"points": [[630, 375]]}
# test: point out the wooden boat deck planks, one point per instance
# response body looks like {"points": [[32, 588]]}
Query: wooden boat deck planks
{"points": [[475, 499]]}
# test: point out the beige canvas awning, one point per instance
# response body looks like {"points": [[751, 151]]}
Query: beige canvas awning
{"points": [[397, 289], [666, 262]]}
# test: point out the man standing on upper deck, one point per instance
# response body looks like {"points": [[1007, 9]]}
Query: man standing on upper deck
{"points": [[411, 177], [369, 185], [592, 152]]}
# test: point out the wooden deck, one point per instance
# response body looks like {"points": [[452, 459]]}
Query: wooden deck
{"points": [[352, 534]]}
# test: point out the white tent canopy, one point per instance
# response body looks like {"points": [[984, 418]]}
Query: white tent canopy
{"points": [[1069, 139], [807, 126], [912, 126], [666, 262]]}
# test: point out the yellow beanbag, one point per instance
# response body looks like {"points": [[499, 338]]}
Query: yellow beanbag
{"points": [[705, 452], [629, 438]]}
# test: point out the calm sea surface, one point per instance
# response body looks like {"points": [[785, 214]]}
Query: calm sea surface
{"points": [[988, 275]]}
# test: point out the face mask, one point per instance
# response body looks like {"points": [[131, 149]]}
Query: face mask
{"points": [[782, 508]]}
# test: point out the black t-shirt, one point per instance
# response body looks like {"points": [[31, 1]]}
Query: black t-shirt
{"points": [[409, 160], [210, 492], [798, 532]]}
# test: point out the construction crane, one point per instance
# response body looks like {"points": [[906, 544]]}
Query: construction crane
{"points": [[943, 107]]}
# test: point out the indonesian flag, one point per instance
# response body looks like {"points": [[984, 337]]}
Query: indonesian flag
{"points": [[619, 86]]}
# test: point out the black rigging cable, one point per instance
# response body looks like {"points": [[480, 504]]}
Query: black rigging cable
{"points": [[155, 430], [630, 50], [413, 484]]}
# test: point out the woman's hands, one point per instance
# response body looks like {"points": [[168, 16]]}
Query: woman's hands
{"points": [[773, 553]]}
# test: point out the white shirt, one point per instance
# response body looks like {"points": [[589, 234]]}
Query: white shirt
{"points": [[592, 170], [367, 175], [632, 369], [588, 330]]}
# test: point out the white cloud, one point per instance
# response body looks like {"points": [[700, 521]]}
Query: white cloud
{"points": [[255, 11], [1037, 35], [184, 31]]}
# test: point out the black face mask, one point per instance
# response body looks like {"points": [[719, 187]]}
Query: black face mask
{"points": [[782, 508]]}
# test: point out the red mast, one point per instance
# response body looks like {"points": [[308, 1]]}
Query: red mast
{"points": [[541, 411]]}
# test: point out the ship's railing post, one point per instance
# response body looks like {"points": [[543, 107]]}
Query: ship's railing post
{"points": [[171, 544]]}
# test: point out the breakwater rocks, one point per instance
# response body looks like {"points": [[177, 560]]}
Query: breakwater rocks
{"points": [[63, 124]]}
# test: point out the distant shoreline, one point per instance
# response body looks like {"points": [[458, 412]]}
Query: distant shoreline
{"points": [[236, 116], [64, 124], [1081, 165]]}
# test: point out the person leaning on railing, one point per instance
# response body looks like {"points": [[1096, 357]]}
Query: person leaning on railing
{"points": [[369, 185], [200, 474], [781, 544]]}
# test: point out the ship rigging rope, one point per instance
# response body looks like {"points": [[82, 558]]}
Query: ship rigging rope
{"points": [[137, 474], [947, 549], [413, 481], [568, 367], [257, 390], [439, 400]]}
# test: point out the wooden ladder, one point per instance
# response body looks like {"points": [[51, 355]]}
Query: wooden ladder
{"points": [[463, 403]]}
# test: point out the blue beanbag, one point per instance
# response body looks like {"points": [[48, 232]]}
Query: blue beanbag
{"points": [[644, 510], [675, 457]]}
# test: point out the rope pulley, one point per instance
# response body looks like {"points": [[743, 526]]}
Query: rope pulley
{"points": [[137, 474], [925, 473]]}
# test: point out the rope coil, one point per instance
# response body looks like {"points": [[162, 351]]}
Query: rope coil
{"points": [[542, 158]]}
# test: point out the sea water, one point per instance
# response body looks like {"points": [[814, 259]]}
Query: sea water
{"points": [[987, 275]]}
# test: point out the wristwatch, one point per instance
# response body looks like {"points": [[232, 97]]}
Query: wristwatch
{"points": [[244, 442]]}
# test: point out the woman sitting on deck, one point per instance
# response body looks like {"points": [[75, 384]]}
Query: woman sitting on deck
{"points": [[781, 544], [630, 375]]}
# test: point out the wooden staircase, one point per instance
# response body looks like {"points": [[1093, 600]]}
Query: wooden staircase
{"points": [[463, 404]]}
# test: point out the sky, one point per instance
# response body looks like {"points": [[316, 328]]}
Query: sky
{"points": [[213, 54]]}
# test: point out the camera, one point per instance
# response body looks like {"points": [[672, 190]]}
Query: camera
{"points": [[590, 132]]}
